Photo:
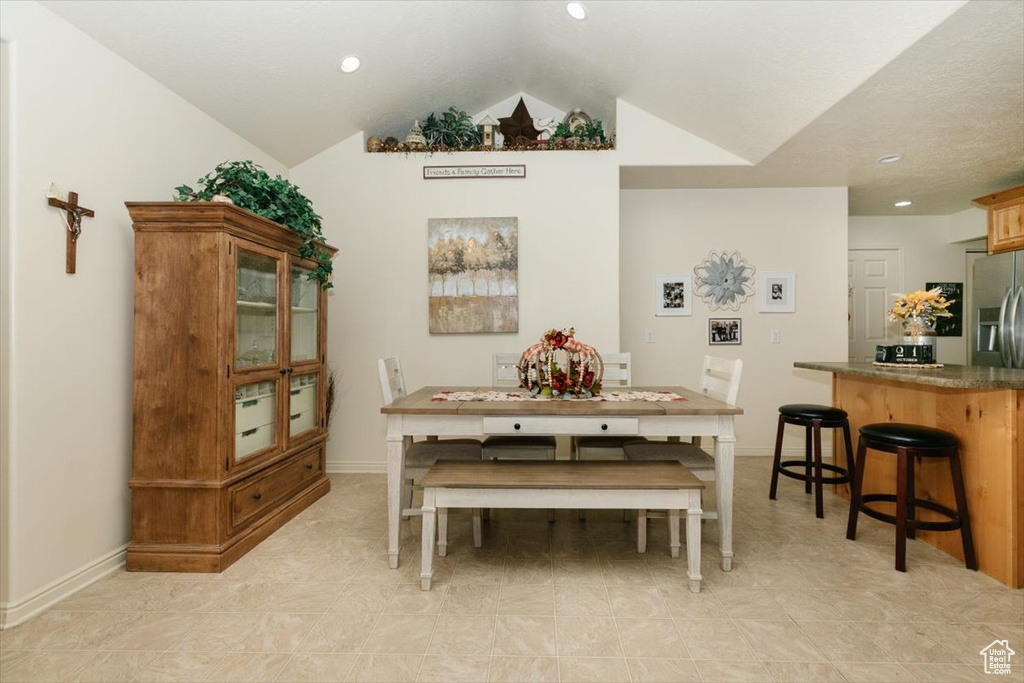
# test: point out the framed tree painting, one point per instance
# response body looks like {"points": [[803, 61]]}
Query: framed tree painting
{"points": [[673, 295], [473, 274]]}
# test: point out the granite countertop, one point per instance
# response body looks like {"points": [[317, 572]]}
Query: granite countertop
{"points": [[951, 376]]}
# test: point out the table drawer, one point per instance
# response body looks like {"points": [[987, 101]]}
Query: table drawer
{"points": [[575, 426], [264, 491]]}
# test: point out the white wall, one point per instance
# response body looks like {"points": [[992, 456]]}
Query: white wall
{"points": [[928, 255], [86, 119], [375, 209], [668, 232]]}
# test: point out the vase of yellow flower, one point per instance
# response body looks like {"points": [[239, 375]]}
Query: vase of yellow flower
{"points": [[917, 312]]}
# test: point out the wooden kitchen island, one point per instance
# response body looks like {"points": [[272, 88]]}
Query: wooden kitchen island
{"points": [[984, 407]]}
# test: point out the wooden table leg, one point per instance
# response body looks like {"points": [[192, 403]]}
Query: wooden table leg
{"points": [[673, 532], [429, 513], [693, 516], [396, 477], [725, 452], [442, 532]]}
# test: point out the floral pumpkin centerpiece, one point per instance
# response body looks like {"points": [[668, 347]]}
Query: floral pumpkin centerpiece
{"points": [[561, 365], [918, 311]]}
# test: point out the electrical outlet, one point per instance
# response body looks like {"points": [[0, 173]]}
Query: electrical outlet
{"points": [[648, 337], [776, 337]]}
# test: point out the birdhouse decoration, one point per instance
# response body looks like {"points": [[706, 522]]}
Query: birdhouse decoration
{"points": [[487, 127], [415, 139]]}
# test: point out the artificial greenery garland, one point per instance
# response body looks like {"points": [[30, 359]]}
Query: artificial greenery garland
{"points": [[248, 186]]}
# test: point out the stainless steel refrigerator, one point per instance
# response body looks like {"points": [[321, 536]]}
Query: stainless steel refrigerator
{"points": [[997, 315]]}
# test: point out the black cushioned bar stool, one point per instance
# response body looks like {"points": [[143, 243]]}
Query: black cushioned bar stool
{"points": [[813, 417], [907, 442]]}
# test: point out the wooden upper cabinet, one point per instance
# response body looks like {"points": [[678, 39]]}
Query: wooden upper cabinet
{"points": [[1005, 219], [229, 384]]}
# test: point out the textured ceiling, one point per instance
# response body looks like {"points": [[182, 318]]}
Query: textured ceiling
{"points": [[805, 88]]}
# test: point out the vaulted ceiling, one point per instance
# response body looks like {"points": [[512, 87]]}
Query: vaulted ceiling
{"points": [[810, 92]]}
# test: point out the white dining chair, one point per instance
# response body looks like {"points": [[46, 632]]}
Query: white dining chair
{"points": [[420, 456], [505, 373], [719, 379]]}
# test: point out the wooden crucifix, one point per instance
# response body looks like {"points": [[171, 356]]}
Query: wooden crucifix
{"points": [[74, 217]]}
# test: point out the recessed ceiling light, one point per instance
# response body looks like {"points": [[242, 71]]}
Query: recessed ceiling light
{"points": [[576, 10], [889, 159], [905, 202], [349, 64]]}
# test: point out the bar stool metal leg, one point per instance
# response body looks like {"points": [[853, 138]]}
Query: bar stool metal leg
{"points": [[855, 489], [849, 450], [819, 504], [901, 509], [911, 492], [778, 459], [807, 456], [961, 510]]}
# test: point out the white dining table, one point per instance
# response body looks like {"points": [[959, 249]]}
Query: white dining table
{"points": [[423, 413]]}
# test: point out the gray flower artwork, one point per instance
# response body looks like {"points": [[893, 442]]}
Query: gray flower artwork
{"points": [[724, 280]]}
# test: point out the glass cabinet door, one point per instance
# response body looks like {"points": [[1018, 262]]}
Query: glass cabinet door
{"points": [[305, 315], [256, 310], [255, 418], [302, 402]]}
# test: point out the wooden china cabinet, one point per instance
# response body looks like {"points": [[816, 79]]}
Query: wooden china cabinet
{"points": [[1005, 219], [229, 384]]}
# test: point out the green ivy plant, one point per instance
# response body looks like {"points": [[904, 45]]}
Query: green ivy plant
{"points": [[248, 186], [591, 131], [454, 128]]}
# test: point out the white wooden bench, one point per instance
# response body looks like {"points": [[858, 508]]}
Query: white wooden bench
{"points": [[577, 485]]}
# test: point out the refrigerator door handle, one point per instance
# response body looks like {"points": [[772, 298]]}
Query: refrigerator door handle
{"points": [[1016, 341], [1004, 330]]}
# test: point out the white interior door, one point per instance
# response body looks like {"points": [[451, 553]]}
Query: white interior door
{"points": [[874, 276]]}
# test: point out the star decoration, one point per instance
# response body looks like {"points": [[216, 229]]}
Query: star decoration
{"points": [[519, 124]]}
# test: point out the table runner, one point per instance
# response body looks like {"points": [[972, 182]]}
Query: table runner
{"points": [[651, 396]]}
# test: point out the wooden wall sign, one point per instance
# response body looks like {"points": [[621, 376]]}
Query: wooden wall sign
{"points": [[449, 172], [74, 219]]}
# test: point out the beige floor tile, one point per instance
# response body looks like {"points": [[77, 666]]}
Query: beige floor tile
{"points": [[378, 668], [400, 634], [804, 603], [310, 598], [626, 573], [651, 638], [317, 668], [202, 596], [277, 632], [58, 630], [112, 667], [533, 572], [361, 598], [910, 643], [156, 631], [949, 673], [9, 658], [537, 600], [593, 670], [577, 573], [252, 597], [524, 636], [587, 637], [249, 667], [582, 601], [469, 599], [684, 604], [804, 672], [964, 640], [339, 633], [453, 669], [462, 635], [880, 672], [733, 672], [663, 671], [714, 639], [862, 605], [45, 666], [535, 546], [412, 599], [843, 641], [521, 669], [778, 641], [638, 601], [180, 667], [218, 632], [483, 570], [749, 603]]}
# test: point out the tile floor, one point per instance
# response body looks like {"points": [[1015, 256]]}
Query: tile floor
{"points": [[565, 602]]}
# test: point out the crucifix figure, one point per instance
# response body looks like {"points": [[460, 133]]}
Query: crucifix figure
{"points": [[75, 214]]}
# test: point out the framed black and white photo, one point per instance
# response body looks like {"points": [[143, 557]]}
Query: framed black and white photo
{"points": [[778, 291], [725, 331], [673, 295]]}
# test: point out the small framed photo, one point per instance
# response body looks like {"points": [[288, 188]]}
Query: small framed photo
{"points": [[778, 291], [673, 295], [725, 331]]}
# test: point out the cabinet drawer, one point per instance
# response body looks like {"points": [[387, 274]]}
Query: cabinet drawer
{"points": [[253, 439], [265, 490], [254, 412], [575, 426], [302, 400], [300, 422]]}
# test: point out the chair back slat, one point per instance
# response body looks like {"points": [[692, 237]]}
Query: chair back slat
{"points": [[617, 371], [392, 386], [504, 372], [720, 378]]}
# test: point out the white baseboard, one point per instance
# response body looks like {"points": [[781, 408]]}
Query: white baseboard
{"points": [[380, 467], [14, 613]]}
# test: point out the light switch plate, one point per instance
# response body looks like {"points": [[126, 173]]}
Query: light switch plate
{"points": [[776, 337], [648, 337]]}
